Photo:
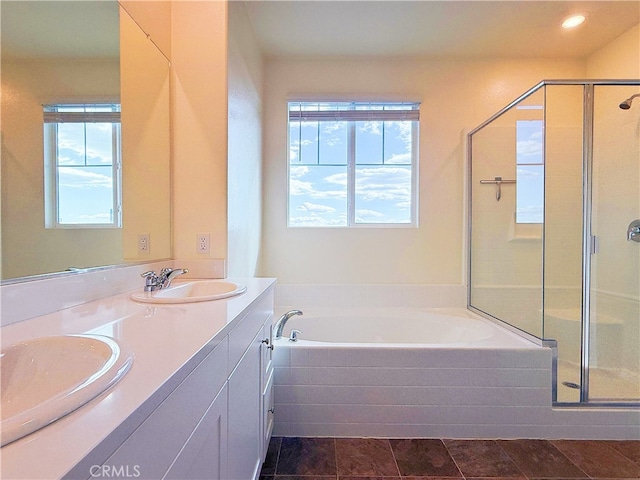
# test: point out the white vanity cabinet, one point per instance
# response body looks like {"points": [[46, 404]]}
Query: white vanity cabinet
{"points": [[213, 425], [266, 392]]}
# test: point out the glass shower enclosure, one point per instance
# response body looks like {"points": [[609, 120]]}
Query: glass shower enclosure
{"points": [[554, 231]]}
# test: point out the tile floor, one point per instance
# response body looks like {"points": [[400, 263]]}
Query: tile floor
{"points": [[432, 459]]}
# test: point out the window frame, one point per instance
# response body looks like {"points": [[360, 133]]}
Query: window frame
{"points": [[53, 118], [352, 161]]}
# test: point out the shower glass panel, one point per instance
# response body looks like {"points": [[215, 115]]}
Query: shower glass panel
{"points": [[507, 198], [563, 233], [614, 327], [554, 190]]}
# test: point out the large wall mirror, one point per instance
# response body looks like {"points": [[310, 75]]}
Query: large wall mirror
{"points": [[87, 56]]}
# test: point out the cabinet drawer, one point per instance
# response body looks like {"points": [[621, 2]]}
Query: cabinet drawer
{"points": [[152, 448]]}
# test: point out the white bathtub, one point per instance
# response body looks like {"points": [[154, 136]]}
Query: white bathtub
{"points": [[406, 372], [399, 327]]}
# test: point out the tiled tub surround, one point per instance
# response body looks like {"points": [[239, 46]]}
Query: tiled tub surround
{"points": [[168, 342], [498, 390]]}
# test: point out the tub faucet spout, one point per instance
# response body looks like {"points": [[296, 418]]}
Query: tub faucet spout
{"points": [[283, 320]]}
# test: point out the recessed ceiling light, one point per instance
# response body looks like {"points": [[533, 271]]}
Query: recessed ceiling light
{"points": [[573, 21]]}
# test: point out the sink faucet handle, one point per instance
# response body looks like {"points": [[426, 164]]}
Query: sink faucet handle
{"points": [[151, 282]]}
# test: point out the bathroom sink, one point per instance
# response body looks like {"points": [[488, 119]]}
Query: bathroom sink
{"points": [[193, 291], [48, 377]]}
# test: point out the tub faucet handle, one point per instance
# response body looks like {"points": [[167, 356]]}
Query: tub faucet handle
{"points": [[633, 232], [293, 336]]}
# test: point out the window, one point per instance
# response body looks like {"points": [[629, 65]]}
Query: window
{"points": [[82, 165], [352, 164], [529, 171]]}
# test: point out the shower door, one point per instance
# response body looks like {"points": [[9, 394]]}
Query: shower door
{"points": [[611, 351]]}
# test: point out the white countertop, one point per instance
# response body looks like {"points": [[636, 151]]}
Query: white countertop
{"points": [[163, 339]]}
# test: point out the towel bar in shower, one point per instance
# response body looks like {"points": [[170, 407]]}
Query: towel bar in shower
{"points": [[497, 181]]}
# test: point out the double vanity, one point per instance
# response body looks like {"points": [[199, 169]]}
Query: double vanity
{"points": [[174, 383]]}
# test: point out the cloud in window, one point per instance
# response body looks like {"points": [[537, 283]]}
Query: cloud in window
{"points": [[364, 215], [312, 188], [529, 172], [97, 218], [391, 184], [82, 178], [402, 158], [314, 207], [532, 144], [373, 128]]}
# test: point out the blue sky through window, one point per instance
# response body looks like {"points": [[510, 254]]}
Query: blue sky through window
{"points": [[529, 171], [319, 153]]}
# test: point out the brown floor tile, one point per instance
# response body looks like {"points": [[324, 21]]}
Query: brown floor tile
{"points": [[411, 477], [481, 458], [307, 456], [426, 457], [629, 448], [365, 456], [271, 460], [342, 477], [539, 458], [432, 478], [494, 478], [597, 459], [305, 477]]}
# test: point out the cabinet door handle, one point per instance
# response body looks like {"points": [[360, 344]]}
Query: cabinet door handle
{"points": [[272, 410], [266, 340]]}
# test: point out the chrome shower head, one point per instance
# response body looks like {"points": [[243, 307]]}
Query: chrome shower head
{"points": [[626, 105]]}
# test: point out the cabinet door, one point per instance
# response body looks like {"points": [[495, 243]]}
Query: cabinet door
{"points": [[244, 429], [205, 454], [151, 449]]}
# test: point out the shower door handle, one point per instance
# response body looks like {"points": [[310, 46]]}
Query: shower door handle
{"points": [[633, 232]]}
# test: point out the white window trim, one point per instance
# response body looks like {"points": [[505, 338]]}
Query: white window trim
{"points": [[352, 116], [51, 120]]}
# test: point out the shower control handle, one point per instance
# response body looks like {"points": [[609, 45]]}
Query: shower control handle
{"points": [[633, 232]]}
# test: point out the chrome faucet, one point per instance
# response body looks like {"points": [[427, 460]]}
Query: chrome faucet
{"points": [[283, 320], [153, 281]]}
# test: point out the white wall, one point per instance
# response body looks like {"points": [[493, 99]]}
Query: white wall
{"points": [[456, 95], [619, 59], [199, 127], [244, 174]]}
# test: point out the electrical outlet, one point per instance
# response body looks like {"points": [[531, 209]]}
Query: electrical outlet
{"points": [[143, 243], [203, 242]]}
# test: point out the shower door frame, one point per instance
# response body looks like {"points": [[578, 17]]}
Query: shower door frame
{"points": [[588, 241]]}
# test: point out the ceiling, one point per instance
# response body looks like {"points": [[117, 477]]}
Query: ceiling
{"points": [[433, 28], [453, 28]]}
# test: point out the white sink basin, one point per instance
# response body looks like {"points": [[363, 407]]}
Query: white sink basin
{"points": [[193, 291], [46, 378]]}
